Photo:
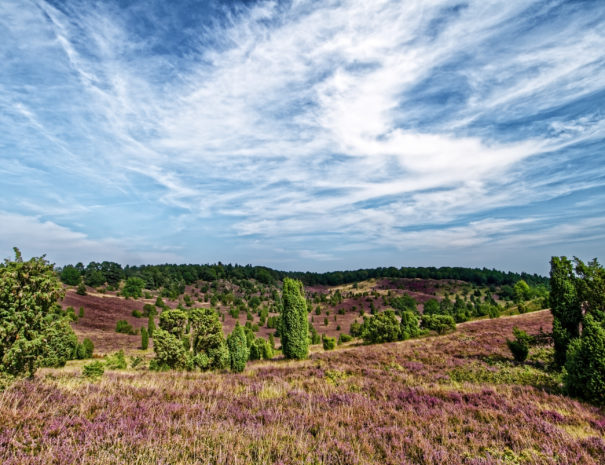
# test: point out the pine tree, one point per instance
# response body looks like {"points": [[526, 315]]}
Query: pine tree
{"points": [[150, 325], [294, 325]]}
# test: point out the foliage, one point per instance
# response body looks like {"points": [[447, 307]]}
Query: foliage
{"points": [[169, 351], [87, 348], [208, 340], [409, 326], [133, 287], [260, 349], [521, 291], [343, 337], [81, 290], [585, 366], [61, 344], [116, 361], [174, 322], [70, 275], [238, 349], [382, 327], [565, 306], [329, 343], [519, 346], [150, 326], [431, 307], [28, 291], [144, 338], [93, 370], [122, 326], [294, 325], [439, 323]]}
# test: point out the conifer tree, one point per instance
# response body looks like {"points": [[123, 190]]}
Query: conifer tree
{"points": [[294, 325], [238, 348]]}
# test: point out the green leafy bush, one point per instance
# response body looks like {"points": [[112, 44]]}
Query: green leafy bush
{"points": [[81, 290], [329, 343], [344, 338], [116, 361], [439, 323], [93, 370], [238, 349], [519, 347], [144, 338], [26, 320], [169, 351], [382, 327], [584, 374], [409, 325], [133, 287], [122, 326]]}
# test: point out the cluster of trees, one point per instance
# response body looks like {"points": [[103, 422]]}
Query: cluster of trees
{"points": [[390, 326], [192, 339], [35, 330], [460, 310], [577, 302], [173, 278]]}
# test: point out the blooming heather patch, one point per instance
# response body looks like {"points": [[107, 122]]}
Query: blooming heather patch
{"points": [[395, 403]]}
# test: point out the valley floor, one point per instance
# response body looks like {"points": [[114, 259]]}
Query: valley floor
{"points": [[455, 399]]}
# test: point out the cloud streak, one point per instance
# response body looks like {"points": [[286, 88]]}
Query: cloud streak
{"points": [[320, 126]]}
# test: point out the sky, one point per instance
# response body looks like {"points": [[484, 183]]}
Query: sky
{"points": [[303, 135]]}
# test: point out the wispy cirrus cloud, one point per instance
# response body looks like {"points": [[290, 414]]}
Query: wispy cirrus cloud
{"points": [[319, 126]]}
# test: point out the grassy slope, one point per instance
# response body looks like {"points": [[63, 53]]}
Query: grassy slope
{"points": [[449, 399]]}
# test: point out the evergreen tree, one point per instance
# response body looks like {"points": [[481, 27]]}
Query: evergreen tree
{"points": [[585, 365], [564, 306], [144, 338], [294, 325], [238, 348], [28, 292], [150, 325]]}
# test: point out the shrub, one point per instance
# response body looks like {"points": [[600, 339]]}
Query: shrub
{"points": [[149, 309], [116, 361], [208, 341], [382, 327], [260, 349], [439, 323], [70, 275], [585, 366], [81, 290], [88, 348], [81, 312], [344, 338], [122, 326], [238, 348], [133, 287], [150, 326], [144, 338], [136, 314], [174, 322], [93, 370], [26, 319], [159, 302], [61, 344], [329, 343], [519, 347], [169, 351], [409, 325], [294, 325]]}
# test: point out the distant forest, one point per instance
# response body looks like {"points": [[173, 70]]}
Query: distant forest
{"points": [[157, 276]]}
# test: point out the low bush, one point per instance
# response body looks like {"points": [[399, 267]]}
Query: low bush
{"points": [[329, 343], [439, 323], [93, 370], [122, 326], [519, 347]]}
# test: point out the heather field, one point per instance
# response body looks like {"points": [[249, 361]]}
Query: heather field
{"points": [[450, 399]]}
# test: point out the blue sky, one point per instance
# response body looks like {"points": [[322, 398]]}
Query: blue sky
{"points": [[305, 135]]}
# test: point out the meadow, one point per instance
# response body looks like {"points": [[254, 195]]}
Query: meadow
{"points": [[456, 399]]}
